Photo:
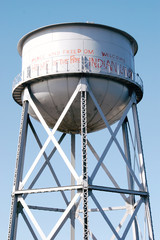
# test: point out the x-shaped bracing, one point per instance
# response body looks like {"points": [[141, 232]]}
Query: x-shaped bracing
{"points": [[28, 97]]}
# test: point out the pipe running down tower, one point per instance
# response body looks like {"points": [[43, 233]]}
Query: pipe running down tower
{"points": [[80, 171]]}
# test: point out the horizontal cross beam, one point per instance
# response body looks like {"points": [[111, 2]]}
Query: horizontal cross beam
{"points": [[80, 187]]}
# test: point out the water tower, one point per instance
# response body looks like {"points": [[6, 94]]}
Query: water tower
{"points": [[78, 80]]}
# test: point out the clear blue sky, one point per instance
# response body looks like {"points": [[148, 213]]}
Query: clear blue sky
{"points": [[141, 19]]}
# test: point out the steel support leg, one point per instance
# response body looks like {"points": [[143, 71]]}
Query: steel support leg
{"points": [[18, 172], [129, 176], [72, 184], [143, 171], [84, 162]]}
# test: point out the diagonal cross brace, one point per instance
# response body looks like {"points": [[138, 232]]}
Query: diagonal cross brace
{"points": [[106, 170], [63, 218], [120, 225], [32, 218], [132, 218], [50, 135], [105, 216], [110, 224], [47, 162], [29, 225], [113, 137], [59, 223]]}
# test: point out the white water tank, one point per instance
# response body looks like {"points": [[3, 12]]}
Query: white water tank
{"points": [[56, 57]]}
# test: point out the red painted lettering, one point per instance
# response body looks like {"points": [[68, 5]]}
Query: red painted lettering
{"points": [[100, 63], [71, 51], [121, 69], [87, 51], [93, 62], [113, 67], [73, 59], [104, 54]]}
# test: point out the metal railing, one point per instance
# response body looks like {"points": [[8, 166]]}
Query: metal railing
{"points": [[138, 80], [84, 64], [17, 80]]}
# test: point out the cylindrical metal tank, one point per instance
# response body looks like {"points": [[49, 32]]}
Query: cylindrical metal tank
{"points": [[56, 57]]}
